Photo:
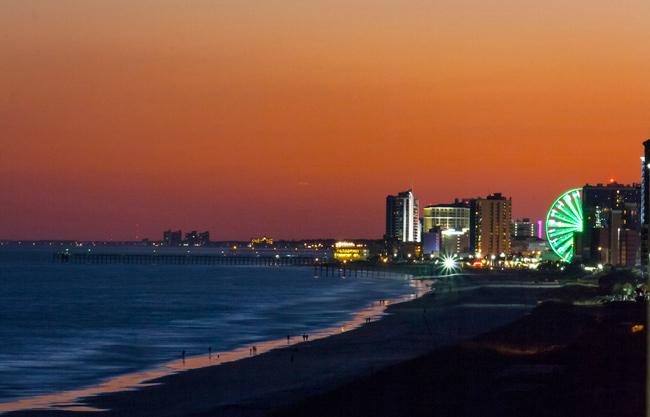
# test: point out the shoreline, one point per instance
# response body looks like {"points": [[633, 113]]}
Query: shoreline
{"points": [[76, 400], [562, 359], [265, 383]]}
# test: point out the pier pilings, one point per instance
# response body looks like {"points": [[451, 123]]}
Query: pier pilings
{"points": [[160, 259]]}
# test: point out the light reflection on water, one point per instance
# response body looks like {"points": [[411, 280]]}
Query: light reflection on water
{"points": [[69, 400], [70, 326]]}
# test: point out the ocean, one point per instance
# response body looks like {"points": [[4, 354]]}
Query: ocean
{"points": [[68, 326]]}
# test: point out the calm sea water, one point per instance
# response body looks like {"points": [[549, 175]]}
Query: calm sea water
{"points": [[66, 326]]}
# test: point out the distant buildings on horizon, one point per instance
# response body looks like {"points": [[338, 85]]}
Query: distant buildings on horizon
{"points": [[615, 225], [615, 229], [174, 238]]}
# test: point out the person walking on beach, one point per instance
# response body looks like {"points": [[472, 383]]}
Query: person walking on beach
{"points": [[210, 352], [183, 355], [288, 338]]}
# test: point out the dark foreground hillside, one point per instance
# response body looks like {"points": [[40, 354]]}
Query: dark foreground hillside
{"points": [[560, 360]]}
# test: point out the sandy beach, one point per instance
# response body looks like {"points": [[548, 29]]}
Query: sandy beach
{"points": [[258, 385], [563, 359]]}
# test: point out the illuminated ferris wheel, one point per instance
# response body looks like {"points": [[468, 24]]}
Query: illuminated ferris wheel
{"points": [[563, 220]]}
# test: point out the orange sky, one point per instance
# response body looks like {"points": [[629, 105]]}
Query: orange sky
{"points": [[295, 119]]}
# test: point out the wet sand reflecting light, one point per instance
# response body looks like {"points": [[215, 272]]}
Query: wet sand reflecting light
{"points": [[73, 400]]}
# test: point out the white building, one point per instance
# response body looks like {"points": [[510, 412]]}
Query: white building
{"points": [[402, 217]]}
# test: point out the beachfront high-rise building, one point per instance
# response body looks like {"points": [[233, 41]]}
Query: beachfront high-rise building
{"points": [[172, 238], [447, 216], [611, 224], [645, 205], [402, 217], [192, 237], [449, 224], [490, 220], [522, 228], [525, 237], [204, 238]]}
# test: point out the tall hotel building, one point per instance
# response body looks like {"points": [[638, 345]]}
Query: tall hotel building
{"points": [[522, 228], [611, 217], [645, 204], [490, 220], [446, 216], [448, 226], [402, 217]]}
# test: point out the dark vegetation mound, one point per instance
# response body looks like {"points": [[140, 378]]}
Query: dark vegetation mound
{"points": [[560, 360]]}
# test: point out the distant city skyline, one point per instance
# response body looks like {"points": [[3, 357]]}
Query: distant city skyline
{"points": [[296, 119]]}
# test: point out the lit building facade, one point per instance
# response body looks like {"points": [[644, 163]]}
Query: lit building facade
{"points": [[611, 224], [261, 242], [402, 218], [523, 233], [490, 220], [522, 229], [447, 216], [450, 224], [431, 241], [349, 251], [455, 242], [645, 205]]}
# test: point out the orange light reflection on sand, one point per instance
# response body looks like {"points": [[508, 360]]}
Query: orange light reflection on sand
{"points": [[73, 400]]}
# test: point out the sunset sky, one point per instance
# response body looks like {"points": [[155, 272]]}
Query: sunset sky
{"points": [[294, 119]]}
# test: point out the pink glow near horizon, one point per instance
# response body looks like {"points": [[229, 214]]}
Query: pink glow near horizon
{"points": [[296, 119]]}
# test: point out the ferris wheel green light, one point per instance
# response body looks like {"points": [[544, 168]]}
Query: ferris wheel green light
{"points": [[563, 220]]}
